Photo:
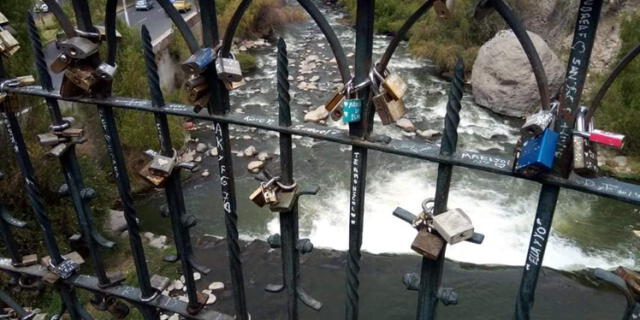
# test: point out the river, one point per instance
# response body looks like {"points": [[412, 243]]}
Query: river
{"points": [[587, 232]]}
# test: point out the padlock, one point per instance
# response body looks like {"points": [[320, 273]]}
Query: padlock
{"points": [[351, 110], [162, 165], [453, 225], [585, 162], [285, 196], [395, 86], [334, 106], [29, 260], [265, 193], [155, 180], [536, 123], [228, 69], [270, 195], [65, 269], [441, 9], [58, 150], [70, 132], [49, 139], [201, 103], [81, 76], [106, 71], [602, 137], [537, 153], [194, 81], [233, 85], [257, 196], [427, 244], [60, 63], [78, 47], [9, 43], [159, 282], [198, 92], [389, 109], [22, 81], [198, 62], [117, 308], [631, 278]]}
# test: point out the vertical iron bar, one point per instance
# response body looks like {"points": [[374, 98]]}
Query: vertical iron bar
{"points": [[33, 193], [431, 271], [288, 219], [537, 244], [69, 162], [583, 38], [173, 187], [219, 104], [363, 57]]}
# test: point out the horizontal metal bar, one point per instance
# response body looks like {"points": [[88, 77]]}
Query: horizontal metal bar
{"points": [[128, 293], [494, 163]]}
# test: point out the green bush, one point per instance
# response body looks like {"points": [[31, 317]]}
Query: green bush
{"points": [[620, 108], [247, 61]]}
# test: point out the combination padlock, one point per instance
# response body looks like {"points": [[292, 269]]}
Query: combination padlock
{"points": [[453, 225], [198, 62], [228, 69], [537, 154], [78, 47], [585, 162]]}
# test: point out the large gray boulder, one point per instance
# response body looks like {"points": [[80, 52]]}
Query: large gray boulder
{"points": [[502, 78]]}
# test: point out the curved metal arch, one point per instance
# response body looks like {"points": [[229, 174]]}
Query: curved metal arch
{"points": [[610, 79], [63, 19], [316, 15], [395, 41], [182, 26]]}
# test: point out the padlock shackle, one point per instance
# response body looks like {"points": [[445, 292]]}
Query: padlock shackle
{"points": [[610, 79]]}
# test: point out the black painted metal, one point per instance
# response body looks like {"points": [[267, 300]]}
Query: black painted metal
{"points": [[7, 235], [610, 79], [173, 188], [23, 314], [431, 271], [583, 38]]}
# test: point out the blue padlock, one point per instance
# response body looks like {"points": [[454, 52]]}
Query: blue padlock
{"points": [[538, 153], [199, 61], [351, 110]]}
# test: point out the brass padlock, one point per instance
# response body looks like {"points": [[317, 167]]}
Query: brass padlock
{"points": [[453, 225], [257, 196], [334, 106], [49, 139], [285, 196], [585, 162], [82, 77], [22, 81], [60, 63], [198, 92], [265, 193], [395, 86], [390, 110], [228, 69], [194, 81], [29, 260], [427, 244], [8, 44], [201, 103], [234, 85], [155, 180], [78, 47]]}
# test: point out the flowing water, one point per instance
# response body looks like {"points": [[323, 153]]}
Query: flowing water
{"points": [[587, 231]]}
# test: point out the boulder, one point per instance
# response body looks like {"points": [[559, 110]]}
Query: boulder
{"points": [[406, 125], [255, 166], [216, 286], [201, 147], [159, 242], [502, 78], [263, 156], [316, 115], [115, 221], [429, 133], [250, 151]]}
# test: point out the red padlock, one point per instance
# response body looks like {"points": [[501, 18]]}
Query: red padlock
{"points": [[606, 138]]}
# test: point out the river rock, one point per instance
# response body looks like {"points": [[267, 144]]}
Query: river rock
{"points": [[197, 276], [316, 115], [205, 173], [164, 317], [263, 156], [213, 152], [406, 125], [178, 285], [502, 78], [429, 133], [636, 233], [116, 222], [255, 166], [250, 151], [211, 298], [175, 316], [198, 159], [201, 147], [216, 285], [159, 242], [314, 78]]}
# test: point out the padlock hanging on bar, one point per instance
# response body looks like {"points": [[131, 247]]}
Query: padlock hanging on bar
{"points": [[453, 225], [351, 107], [198, 62], [389, 109], [228, 69]]}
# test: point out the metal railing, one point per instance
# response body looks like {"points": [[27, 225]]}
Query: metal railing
{"points": [[108, 289]]}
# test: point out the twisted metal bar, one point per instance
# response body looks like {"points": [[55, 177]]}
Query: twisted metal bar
{"points": [[576, 74], [431, 270], [69, 162], [8, 238], [173, 188], [610, 79]]}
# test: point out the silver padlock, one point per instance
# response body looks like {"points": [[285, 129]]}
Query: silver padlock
{"points": [[453, 225], [585, 162], [78, 47], [48, 139], [58, 150], [536, 123], [163, 165], [228, 69], [106, 71]]}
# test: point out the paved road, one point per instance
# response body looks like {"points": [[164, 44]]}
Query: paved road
{"points": [[155, 19]]}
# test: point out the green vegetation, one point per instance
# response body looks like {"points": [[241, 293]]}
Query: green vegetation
{"points": [[620, 108], [440, 40]]}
